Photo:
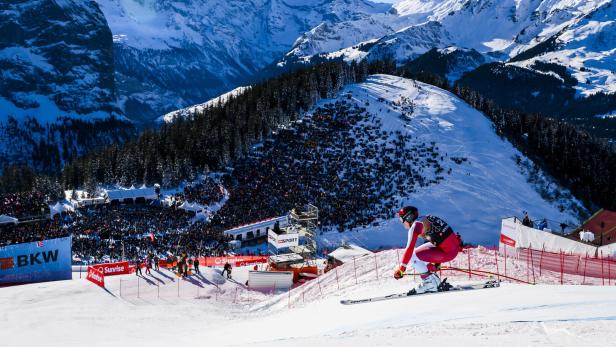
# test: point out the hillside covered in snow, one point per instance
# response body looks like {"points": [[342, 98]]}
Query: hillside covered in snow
{"points": [[387, 142]]}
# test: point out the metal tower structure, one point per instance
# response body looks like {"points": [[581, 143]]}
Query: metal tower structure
{"points": [[307, 219]]}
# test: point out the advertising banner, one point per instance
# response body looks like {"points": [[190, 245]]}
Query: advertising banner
{"points": [[507, 240], [235, 261], [96, 276], [112, 269], [47, 260], [283, 240]]}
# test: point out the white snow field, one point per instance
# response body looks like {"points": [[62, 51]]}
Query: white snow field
{"points": [[77, 313]]}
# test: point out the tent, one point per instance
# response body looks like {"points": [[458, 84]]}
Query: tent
{"points": [[4, 219], [196, 208], [133, 193], [58, 208]]}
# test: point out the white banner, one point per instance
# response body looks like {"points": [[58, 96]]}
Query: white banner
{"points": [[516, 235], [283, 240]]}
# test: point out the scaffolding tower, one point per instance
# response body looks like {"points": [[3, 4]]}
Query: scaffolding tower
{"points": [[306, 218]]}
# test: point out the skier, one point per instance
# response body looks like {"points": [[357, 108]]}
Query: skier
{"points": [[443, 245]]}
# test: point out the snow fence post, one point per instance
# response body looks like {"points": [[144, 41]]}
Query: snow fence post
{"points": [[289, 297], [355, 269], [528, 263], [496, 261], [137, 286], [468, 253], [602, 276], [541, 259], [585, 262], [178, 287], [376, 268], [609, 272], [338, 282], [505, 248], [562, 266], [120, 287], [532, 264]]}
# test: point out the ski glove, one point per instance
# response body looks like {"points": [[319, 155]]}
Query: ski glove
{"points": [[398, 274]]}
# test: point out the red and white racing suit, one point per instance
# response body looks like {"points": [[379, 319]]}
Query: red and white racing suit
{"points": [[443, 247]]}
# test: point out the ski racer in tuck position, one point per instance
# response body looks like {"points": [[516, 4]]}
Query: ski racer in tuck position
{"points": [[443, 245]]}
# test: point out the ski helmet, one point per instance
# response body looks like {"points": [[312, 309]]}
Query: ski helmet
{"points": [[408, 214]]}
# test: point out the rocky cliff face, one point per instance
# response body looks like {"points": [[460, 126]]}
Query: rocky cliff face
{"points": [[57, 89], [56, 59], [174, 54]]}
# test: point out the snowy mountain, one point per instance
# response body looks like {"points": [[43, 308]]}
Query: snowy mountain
{"points": [[186, 112], [57, 91], [576, 34], [56, 60], [170, 55]]}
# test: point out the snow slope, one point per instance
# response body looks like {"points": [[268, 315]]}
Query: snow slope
{"points": [[185, 112], [73, 313], [478, 192]]}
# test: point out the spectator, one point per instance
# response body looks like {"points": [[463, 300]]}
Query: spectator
{"points": [[196, 265], [526, 221], [227, 269], [542, 224], [138, 268], [156, 263], [562, 228]]}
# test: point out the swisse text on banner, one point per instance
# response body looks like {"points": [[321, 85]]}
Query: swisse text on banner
{"points": [[47, 260]]}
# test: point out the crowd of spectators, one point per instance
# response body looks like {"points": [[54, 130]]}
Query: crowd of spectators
{"points": [[342, 159], [23, 205], [113, 232], [205, 192]]}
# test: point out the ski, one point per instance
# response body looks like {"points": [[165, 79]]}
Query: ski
{"points": [[444, 287]]}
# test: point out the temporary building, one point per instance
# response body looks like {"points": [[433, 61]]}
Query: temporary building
{"points": [[131, 195], [59, 207]]}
